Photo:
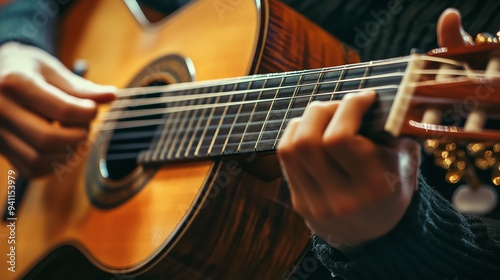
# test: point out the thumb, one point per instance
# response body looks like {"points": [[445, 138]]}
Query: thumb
{"points": [[61, 77], [450, 31]]}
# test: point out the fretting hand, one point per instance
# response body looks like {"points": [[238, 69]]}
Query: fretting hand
{"points": [[349, 189]]}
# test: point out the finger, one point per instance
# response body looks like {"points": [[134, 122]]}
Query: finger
{"points": [[36, 131], [450, 31], [304, 190], [341, 139], [47, 100], [286, 159], [312, 181], [308, 143], [58, 75], [26, 159]]}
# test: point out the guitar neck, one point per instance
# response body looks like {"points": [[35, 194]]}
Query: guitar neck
{"points": [[248, 114]]}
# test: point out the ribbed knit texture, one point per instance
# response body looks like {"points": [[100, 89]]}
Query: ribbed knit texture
{"points": [[32, 22], [432, 241], [410, 24]]}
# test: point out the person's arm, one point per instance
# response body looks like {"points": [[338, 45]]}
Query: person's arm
{"points": [[32, 22], [36, 22]]}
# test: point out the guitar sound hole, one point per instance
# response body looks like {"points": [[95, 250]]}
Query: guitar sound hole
{"points": [[126, 143]]}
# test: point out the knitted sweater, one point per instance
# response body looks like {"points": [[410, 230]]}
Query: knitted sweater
{"points": [[432, 241]]}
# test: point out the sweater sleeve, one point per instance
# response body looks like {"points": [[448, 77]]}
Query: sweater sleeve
{"points": [[32, 22], [36, 22], [432, 241]]}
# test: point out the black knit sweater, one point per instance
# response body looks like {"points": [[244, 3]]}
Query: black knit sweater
{"points": [[432, 241]]}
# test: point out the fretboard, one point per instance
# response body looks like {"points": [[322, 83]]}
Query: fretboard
{"points": [[243, 115]]}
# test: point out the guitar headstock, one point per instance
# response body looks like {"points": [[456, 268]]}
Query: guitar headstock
{"points": [[450, 98]]}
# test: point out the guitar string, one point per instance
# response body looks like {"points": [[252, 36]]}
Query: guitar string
{"points": [[120, 126], [128, 135], [157, 111], [124, 135], [172, 88], [116, 148], [121, 115], [125, 114], [171, 99], [174, 98], [223, 126], [154, 101], [223, 104], [277, 132]]}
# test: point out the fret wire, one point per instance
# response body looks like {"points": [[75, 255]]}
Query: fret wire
{"points": [[251, 115], [183, 118], [337, 85], [168, 142], [365, 75], [270, 109], [287, 112], [220, 122], [374, 121], [198, 124], [161, 142], [285, 117], [190, 124], [206, 127], [314, 91], [235, 118]]}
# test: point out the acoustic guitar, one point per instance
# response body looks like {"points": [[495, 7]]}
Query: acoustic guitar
{"points": [[178, 179]]}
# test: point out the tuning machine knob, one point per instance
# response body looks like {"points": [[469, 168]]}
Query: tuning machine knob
{"points": [[485, 37]]}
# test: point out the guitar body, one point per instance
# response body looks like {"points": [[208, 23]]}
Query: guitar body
{"points": [[224, 219]]}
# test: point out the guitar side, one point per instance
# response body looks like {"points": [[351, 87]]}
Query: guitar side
{"points": [[183, 223]]}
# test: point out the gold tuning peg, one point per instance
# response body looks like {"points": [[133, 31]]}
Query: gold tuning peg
{"points": [[430, 145], [495, 176], [485, 37], [456, 171], [475, 149], [461, 161]]}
